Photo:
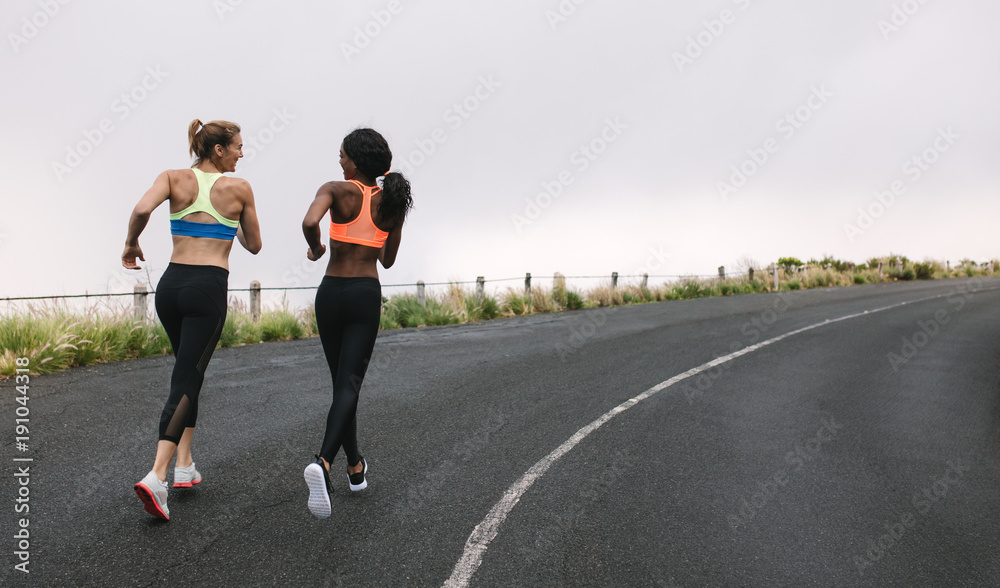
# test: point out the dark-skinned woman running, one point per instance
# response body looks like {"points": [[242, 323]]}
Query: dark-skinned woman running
{"points": [[366, 227], [207, 210]]}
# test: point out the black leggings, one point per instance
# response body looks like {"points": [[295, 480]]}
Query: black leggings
{"points": [[191, 304], [347, 314]]}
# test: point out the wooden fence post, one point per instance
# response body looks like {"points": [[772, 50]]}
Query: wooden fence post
{"points": [[255, 301], [614, 279], [421, 296], [722, 272], [775, 276], [527, 289], [880, 269], [751, 274], [645, 281], [139, 301], [480, 287]]}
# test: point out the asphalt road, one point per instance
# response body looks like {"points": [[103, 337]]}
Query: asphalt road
{"points": [[854, 452]]}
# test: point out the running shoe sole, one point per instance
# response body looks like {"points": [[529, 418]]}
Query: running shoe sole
{"points": [[319, 496], [149, 501]]}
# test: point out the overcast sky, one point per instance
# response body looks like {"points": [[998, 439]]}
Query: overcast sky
{"points": [[577, 136]]}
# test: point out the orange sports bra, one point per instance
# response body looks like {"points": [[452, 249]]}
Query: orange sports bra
{"points": [[361, 230]]}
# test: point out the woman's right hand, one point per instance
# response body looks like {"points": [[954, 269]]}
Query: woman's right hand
{"points": [[315, 255], [129, 256]]}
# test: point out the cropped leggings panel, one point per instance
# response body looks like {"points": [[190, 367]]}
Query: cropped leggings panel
{"points": [[347, 314], [191, 304]]}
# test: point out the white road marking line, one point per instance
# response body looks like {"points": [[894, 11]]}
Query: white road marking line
{"points": [[487, 530]]}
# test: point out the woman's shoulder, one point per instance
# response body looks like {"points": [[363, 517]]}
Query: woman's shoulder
{"points": [[178, 173], [339, 188], [238, 187]]}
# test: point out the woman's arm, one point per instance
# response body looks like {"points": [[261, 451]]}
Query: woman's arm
{"points": [[387, 255], [153, 197], [310, 224], [249, 230]]}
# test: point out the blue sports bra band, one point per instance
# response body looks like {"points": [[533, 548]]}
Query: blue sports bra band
{"points": [[209, 230]]}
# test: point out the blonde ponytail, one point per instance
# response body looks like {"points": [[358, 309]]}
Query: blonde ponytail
{"points": [[192, 131]]}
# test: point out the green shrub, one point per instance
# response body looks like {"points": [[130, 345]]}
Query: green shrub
{"points": [[787, 263], [280, 325], [835, 264], [574, 301], [488, 309], [406, 311], [793, 284], [387, 321], [693, 289], [820, 279], [441, 315], [514, 302]]}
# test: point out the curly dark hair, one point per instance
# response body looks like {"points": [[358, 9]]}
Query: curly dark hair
{"points": [[371, 155]]}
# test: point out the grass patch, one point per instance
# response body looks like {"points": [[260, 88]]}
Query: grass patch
{"points": [[54, 338], [514, 303]]}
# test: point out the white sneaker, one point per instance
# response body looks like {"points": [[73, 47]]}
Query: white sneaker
{"points": [[186, 477], [358, 481], [153, 494], [319, 488]]}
